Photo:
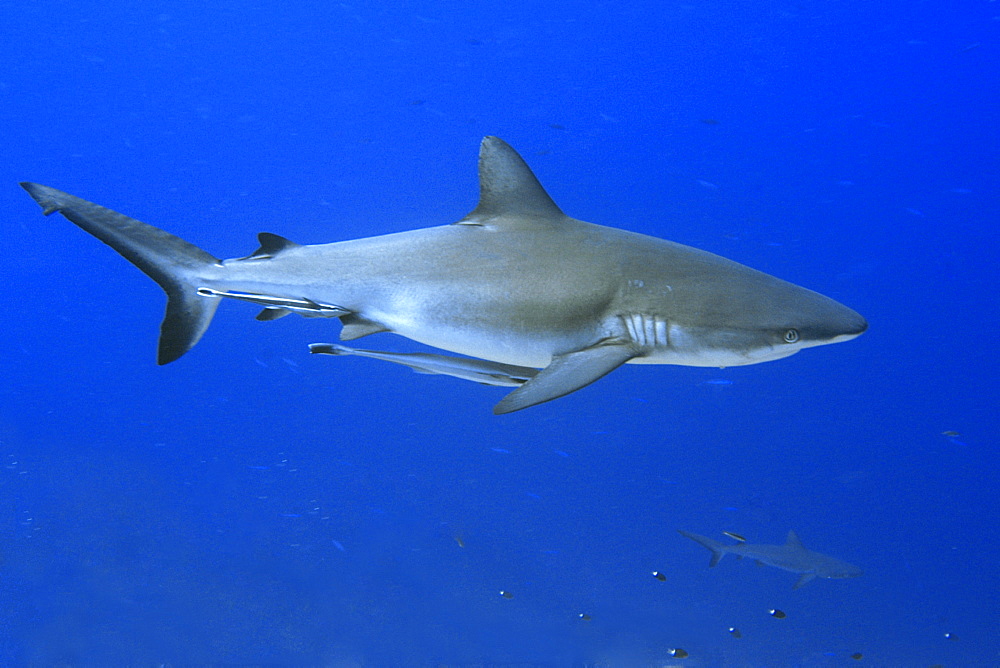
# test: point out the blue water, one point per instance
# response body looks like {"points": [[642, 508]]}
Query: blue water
{"points": [[253, 504]]}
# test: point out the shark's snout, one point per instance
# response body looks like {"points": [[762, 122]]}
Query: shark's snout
{"points": [[854, 323], [823, 320], [847, 325]]}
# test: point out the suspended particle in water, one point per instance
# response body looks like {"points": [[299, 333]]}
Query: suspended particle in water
{"points": [[857, 656], [950, 636], [584, 616], [678, 653], [506, 594], [659, 576], [774, 612], [735, 632]]}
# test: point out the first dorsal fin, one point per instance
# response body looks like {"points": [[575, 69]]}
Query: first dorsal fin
{"points": [[271, 245], [793, 540], [508, 187]]}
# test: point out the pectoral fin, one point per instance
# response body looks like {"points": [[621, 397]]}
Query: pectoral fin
{"points": [[805, 578], [567, 373]]}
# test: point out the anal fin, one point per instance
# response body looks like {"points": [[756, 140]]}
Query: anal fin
{"points": [[271, 313], [355, 327], [567, 373]]}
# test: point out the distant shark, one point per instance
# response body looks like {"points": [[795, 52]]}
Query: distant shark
{"points": [[516, 283], [792, 556]]}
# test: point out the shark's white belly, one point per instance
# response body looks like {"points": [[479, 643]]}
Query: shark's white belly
{"points": [[659, 341], [498, 343]]}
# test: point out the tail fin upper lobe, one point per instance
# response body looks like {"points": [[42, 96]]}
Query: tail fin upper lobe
{"points": [[717, 548], [173, 263]]}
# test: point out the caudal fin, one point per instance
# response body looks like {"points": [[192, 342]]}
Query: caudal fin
{"points": [[173, 263], [717, 548]]}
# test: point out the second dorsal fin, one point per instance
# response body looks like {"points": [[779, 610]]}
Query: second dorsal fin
{"points": [[271, 245]]}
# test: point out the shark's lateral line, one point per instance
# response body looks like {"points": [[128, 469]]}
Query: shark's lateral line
{"points": [[792, 556], [516, 283]]}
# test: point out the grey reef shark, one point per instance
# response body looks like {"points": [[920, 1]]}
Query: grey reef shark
{"points": [[792, 556], [535, 299]]}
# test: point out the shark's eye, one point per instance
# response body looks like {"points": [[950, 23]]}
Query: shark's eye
{"points": [[791, 336]]}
